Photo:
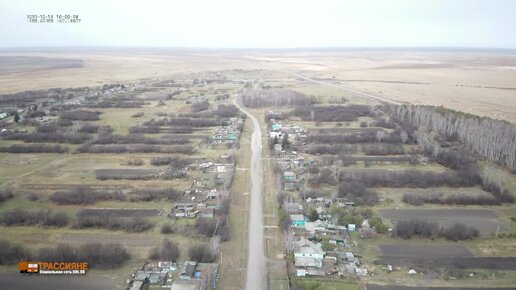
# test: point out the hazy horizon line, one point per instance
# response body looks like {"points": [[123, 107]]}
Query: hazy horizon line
{"points": [[300, 48]]}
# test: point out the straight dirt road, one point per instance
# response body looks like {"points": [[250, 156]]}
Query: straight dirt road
{"points": [[256, 262], [346, 89]]}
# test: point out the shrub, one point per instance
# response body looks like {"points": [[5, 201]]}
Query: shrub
{"points": [[172, 161], [81, 115], [115, 148], [425, 229], [449, 198], [168, 251], [331, 149], [138, 139], [5, 194], [46, 218], [357, 192], [459, 232], [378, 225], [167, 229], [79, 195], [201, 253], [96, 255], [11, 253], [147, 130], [132, 225], [34, 148], [48, 137], [408, 178], [200, 106], [185, 122], [206, 226], [383, 149], [408, 229], [89, 128], [154, 194], [135, 162]]}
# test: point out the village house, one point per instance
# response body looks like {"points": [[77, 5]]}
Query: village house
{"points": [[188, 270], [184, 210], [308, 258], [298, 220], [289, 176], [293, 208], [206, 275], [289, 180], [153, 274]]}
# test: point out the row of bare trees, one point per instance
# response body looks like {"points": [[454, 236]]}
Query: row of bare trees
{"points": [[137, 139], [425, 229], [185, 122], [494, 139], [131, 225], [275, 98], [73, 138], [138, 148], [34, 148], [332, 113], [409, 178]]}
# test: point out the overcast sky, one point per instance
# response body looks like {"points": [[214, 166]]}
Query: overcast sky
{"points": [[263, 23]]}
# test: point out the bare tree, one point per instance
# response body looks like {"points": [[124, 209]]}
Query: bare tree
{"points": [[289, 240], [494, 139], [215, 245], [403, 136], [380, 135]]}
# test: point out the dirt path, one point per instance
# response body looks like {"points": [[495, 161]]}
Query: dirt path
{"points": [[256, 263], [348, 90]]}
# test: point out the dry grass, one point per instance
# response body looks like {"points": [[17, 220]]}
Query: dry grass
{"points": [[476, 82]]}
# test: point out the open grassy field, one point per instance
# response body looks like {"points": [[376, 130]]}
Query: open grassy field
{"points": [[35, 178], [479, 82]]}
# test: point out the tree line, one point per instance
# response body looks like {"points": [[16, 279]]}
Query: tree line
{"points": [[494, 139], [138, 139], [331, 113], [85, 195], [275, 98], [185, 122], [409, 178], [138, 148], [426, 229], [72, 138], [34, 148]]}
